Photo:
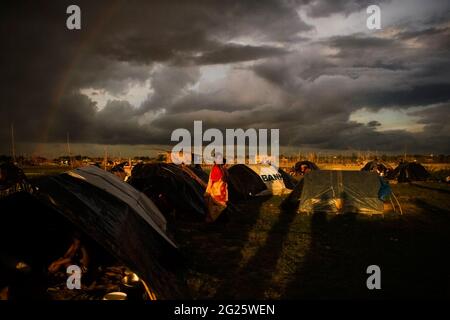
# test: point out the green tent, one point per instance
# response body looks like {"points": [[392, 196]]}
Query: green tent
{"points": [[339, 192]]}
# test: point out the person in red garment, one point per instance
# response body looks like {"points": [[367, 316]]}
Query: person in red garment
{"points": [[216, 194]]}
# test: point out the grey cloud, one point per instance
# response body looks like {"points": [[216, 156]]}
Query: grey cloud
{"points": [[236, 53], [168, 84], [324, 8]]}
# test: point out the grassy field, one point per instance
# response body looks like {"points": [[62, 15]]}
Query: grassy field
{"points": [[263, 252], [39, 171]]}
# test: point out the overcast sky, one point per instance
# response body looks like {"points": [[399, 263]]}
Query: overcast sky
{"points": [[137, 70]]}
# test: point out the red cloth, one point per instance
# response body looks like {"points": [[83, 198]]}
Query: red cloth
{"points": [[217, 187], [216, 173]]}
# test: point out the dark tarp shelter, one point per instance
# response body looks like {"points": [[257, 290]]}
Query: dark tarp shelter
{"points": [[170, 187], [409, 171], [12, 179], [244, 183], [377, 166], [112, 214], [338, 192], [297, 173]]}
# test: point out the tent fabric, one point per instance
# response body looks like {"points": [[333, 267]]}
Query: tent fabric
{"points": [[339, 191], [289, 181], [170, 187], [377, 166], [244, 183], [409, 171], [118, 219], [193, 173], [271, 178], [297, 172], [138, 201], [199, 172], [12, 180]]}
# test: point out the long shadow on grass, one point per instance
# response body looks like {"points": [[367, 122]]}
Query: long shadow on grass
{"points": [[432, 211], [255, 277], [431, 188], [213, 251], [235, 237], [413, 258], [325, 265]]}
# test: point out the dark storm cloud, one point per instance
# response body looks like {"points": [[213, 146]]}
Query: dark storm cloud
{"points": [[279, 76], [373, 124], [435, 120], [423, 49], [415, 96], [418, 58], [401, 71], [44, 65], [146, 32], [360, 42]]}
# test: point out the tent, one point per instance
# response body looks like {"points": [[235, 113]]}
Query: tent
{"points": [[118, 217], [105, 210], [12, 179], [271, 178], [302, 167], [199, 172], [136, 200], [310, 165], [338, 192], [409, 171], [246, 181], [379, 167], [289, 181], [171, 187]]}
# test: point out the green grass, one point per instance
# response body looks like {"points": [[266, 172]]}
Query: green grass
{"points": [[262, 252]]}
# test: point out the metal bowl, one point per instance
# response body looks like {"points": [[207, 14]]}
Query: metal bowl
{"points": [[115, 296]]}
